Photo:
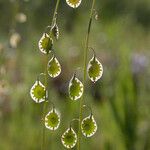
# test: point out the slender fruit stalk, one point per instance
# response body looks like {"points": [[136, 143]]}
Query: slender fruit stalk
{"points": [[46, 78], [84, 68]]}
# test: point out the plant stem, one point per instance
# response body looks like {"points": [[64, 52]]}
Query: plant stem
{"points": [[55, 12], [84, 68], [44, 105], [46, 79]]}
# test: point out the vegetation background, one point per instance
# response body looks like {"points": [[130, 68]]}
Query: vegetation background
{"points": [[120, 100]]}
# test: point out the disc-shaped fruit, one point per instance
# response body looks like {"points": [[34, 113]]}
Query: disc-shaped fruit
{"points": [[69, 138], [74, 3], [37, 92], [88, 126], [53, 67], [55, 31], [45, 44], [52, 120], [95, 69], [75, 88]]}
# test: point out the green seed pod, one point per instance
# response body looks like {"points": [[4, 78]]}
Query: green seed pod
{"points": [[75, 88], [69, 138], [52, 120], [55, 31], [37, 92], [94, 69], [89, 126], [46, 44], [53, 67], [73, 3]]}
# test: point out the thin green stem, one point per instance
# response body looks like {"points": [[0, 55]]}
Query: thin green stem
{"points": [[44, 105], [54, 15], [46, 79], [85, 73]]}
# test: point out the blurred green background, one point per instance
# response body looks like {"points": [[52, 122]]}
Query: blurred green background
{"points": [[120, 100]]}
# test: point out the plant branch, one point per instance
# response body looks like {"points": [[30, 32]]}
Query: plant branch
{"points": [[84, 68], [46, 79]]}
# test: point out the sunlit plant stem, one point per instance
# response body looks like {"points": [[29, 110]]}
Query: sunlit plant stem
{"points": [[46, 78], [84, 68]]}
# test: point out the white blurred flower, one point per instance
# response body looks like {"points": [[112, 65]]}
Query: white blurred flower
{"points": [[21, 17], [15, 38]]}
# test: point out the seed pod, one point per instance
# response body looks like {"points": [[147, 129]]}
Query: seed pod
{"points": [[75, 88], [73, 3], [89, 126], [52, 120], [55, 31], [46, 44], [53, 67], [94, 69], [37, 92], [69, 138]]}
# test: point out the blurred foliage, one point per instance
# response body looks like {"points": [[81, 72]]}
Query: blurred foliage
{"points": [[120, 101]]}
